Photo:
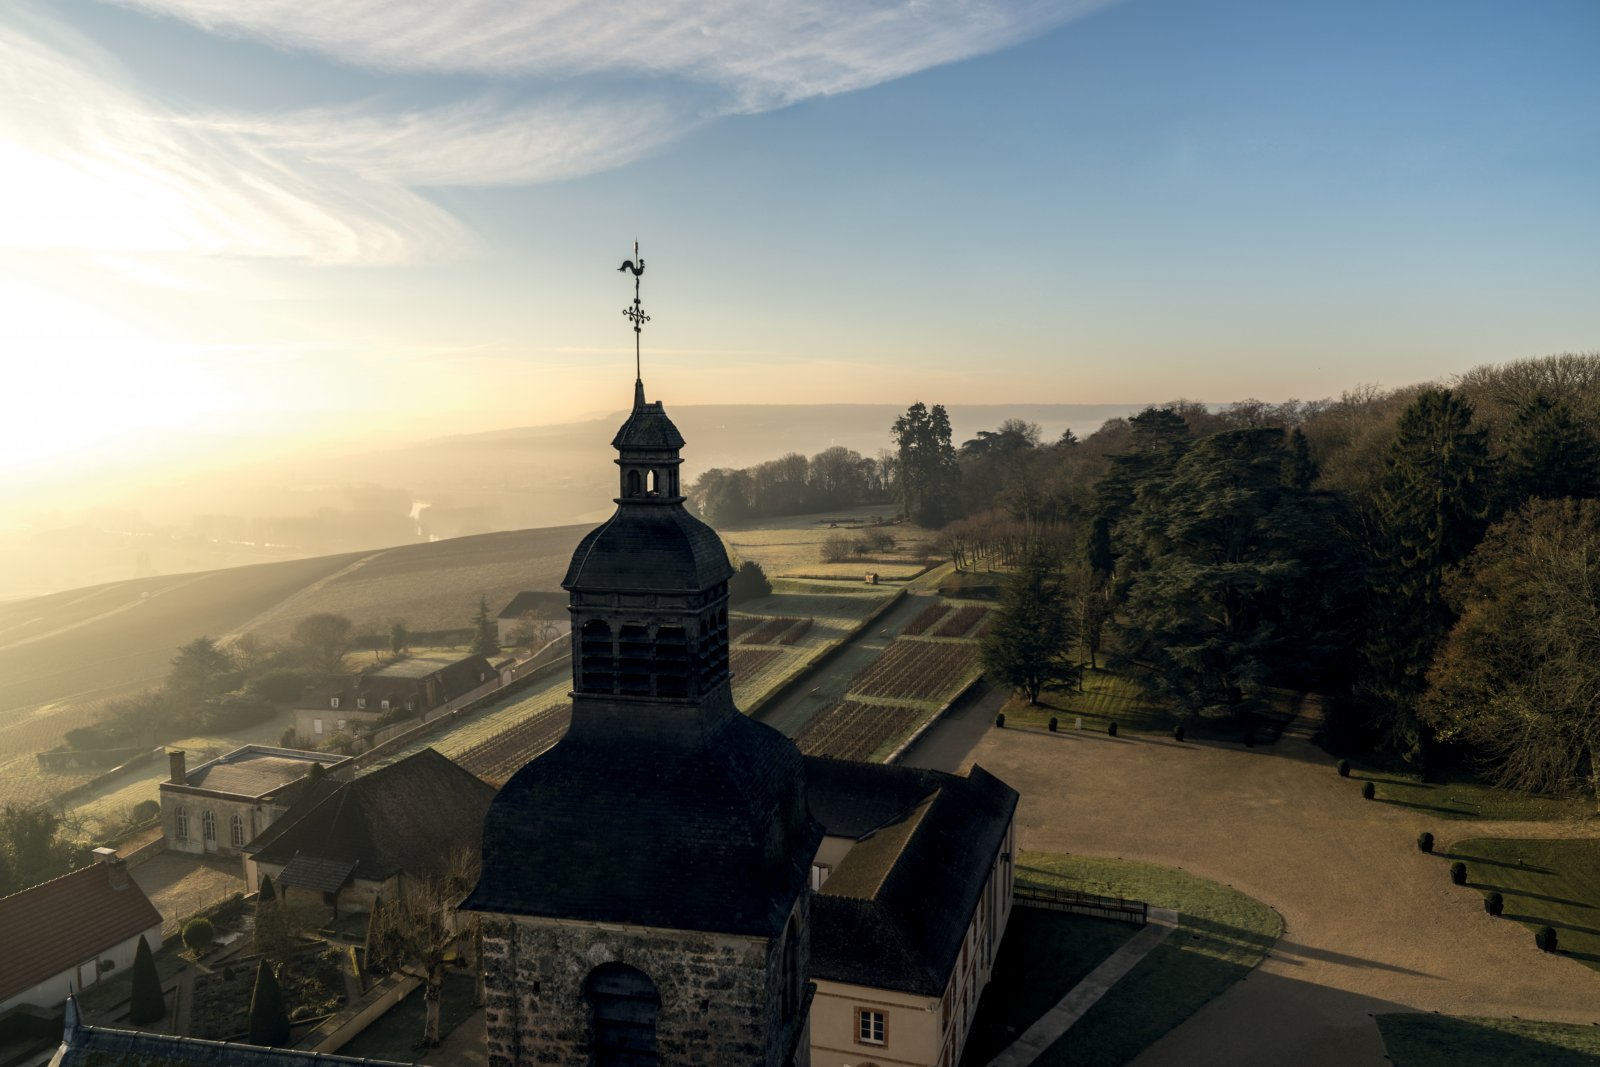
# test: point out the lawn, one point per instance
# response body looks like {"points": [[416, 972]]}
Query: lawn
{"points": [[1043, 955], [1457, 795], [1415, 1040], [1222, 935], [1545, 882]]}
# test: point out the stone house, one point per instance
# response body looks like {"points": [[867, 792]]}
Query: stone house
{"points": [[528, 608], [912, 890], [70, 932], [224, 804], [406, 688], [345, 841]]}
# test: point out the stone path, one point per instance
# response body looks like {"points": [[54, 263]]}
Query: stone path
{"points": [[1081, 997], [1372, 925]]}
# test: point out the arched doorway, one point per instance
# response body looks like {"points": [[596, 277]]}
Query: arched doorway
{"points": [[623, 1005]]}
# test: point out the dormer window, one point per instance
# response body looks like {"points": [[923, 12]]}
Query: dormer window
{"points": [[383, 705], [334, 703], [361, 702]]}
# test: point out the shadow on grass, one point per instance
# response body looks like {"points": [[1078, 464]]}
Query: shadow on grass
{"points": [[1489, 887], [1288, 948], [1487, 862], [1422, 807], [1539, 920]]}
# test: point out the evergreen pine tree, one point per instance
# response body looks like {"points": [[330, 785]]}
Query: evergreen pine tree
{"points": [[1549, 454], [485, 635], [1431, 507], [269, 1020], [271, 938], [1298, 469], [1029, 644], [147, 1004]]}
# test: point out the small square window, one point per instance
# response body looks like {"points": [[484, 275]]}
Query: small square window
{"points": [[334, 703], [361, 702], [383, 705], [869, 1027]]}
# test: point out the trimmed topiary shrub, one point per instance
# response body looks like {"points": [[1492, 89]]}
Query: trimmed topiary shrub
{"points": [[1344, 768], [1000, 720], [1052, 724], [269, 1021], [1111, 729], [198, 934], [147, 1004], [1545, 938], [1177, 733], [1369, 791], [1458, 873], [1424, 840], [1494, 904]]}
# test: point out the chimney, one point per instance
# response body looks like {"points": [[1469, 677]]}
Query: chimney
{"points": [[116, 867], [175, 763]]}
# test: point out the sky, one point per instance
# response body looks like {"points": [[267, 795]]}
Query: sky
{"points": [[393, 218]]}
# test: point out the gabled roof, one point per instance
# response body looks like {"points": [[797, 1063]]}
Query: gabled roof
{"points": [[893, 913], [323, 876], [528, 600], [63, 922], [405, 816]]}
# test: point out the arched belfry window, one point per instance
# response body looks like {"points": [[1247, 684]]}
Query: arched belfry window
{"points": [[655, 483], [672, 662], [623, 1006], [633, 483]]}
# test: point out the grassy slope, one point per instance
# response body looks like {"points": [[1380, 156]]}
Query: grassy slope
{"points": [[1458, 796], [1415, 1040], [1552, 883], [1222, 935]]}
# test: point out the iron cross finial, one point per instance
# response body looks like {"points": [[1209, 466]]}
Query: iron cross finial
{"points": [[635, 314]]}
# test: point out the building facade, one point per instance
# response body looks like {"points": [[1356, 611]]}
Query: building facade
{"points": [[224, 804]]}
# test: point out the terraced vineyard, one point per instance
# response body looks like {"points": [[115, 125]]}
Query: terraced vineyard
{"points": [[502, 755], [856, 731], [960, 621], [926, 618], [918, 669]]}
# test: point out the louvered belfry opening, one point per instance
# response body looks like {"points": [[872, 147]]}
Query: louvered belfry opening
{"points": [[623, 1007]]}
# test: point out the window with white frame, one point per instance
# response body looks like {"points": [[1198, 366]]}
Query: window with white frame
{"points": [[819, 874], [236, 831], [180, 824], [208, 825], [333, 703], [316, 726], [870, 1028], [361, 703], [383, 705]]}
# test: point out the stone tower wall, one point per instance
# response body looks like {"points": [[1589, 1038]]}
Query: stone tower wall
{"points": [[720, 994]]}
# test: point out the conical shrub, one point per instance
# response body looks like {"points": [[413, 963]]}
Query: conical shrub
{"points": [[269, 1020], [147, 1004]]}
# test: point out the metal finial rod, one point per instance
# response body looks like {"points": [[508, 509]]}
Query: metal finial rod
{"points": [[636, 313]]}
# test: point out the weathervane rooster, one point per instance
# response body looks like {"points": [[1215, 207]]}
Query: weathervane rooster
{"points": [[635, 314]]}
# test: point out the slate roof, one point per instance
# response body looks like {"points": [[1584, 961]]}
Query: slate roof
{"points": [[99, 1046], [535, 602], [649, 548], [626, 826], [405, 816], [647, 427], [63, 922], [320, 875], [893, 913], [250, 773]]}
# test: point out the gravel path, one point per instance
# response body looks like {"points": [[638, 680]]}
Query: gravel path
{"points": [[1373, 925]]}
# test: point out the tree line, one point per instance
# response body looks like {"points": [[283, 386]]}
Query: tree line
{"points": [[836, 477], [1425, 556]]}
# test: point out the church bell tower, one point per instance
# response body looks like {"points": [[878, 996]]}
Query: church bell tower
{"points": [[644, 882]]}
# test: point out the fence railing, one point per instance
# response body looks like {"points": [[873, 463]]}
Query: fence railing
{"points": [[1080, 903]]}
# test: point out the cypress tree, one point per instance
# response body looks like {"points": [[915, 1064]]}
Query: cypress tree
{"points": [[147, 1004], [269, 1021], [485, 636], [271, 937]]}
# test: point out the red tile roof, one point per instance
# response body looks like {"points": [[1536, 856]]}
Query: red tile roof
{"points": [[66, 921]]}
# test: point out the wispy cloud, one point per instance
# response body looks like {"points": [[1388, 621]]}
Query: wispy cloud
{"points": [[764, 54], [89, 160]]}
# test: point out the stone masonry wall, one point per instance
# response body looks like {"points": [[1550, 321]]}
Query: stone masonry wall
{"points": [[719, 993]]}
